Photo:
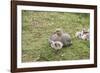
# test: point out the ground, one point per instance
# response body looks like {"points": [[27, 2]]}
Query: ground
{"points": [[37, 28]]}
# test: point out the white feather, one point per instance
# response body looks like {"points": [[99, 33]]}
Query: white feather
{"points": [[56, 45]]}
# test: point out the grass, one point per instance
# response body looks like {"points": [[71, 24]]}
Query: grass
{"points": [[37, 28]]}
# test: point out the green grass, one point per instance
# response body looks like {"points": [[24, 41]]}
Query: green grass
{"points": [[37, 28]]}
